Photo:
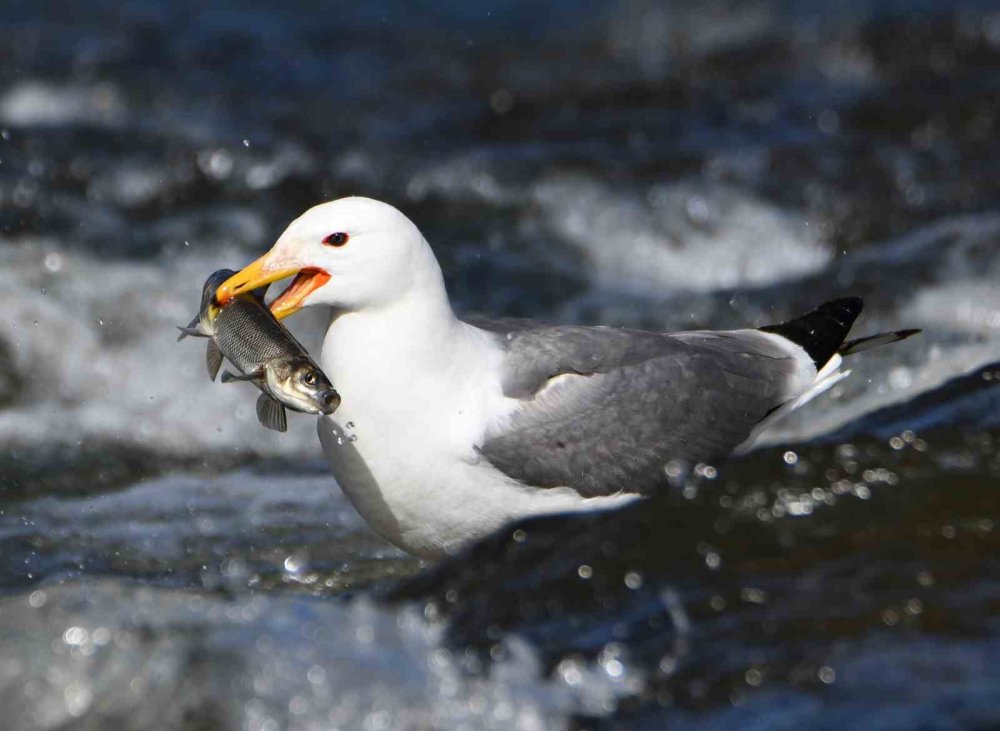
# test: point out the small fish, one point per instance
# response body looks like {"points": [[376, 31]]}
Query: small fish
{"points": [[265, 353]]}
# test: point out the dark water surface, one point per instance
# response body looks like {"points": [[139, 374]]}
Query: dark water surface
{"points": [[167, 563]]}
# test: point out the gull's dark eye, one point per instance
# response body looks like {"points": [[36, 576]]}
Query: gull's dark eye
{"points": [[337, 239], [309, 378]]}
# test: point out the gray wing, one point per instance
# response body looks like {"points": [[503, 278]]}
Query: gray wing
{"points": [[641, 400]]}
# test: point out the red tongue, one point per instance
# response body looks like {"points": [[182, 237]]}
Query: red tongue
{"points": [[305, 282]]}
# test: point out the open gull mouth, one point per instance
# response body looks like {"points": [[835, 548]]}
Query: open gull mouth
{"points": [[305, 283], [262, 272]]}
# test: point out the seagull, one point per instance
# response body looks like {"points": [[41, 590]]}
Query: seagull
{"points": [[449, 429]]}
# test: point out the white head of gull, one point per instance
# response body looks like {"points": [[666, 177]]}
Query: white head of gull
{"points": [[450, 429]]}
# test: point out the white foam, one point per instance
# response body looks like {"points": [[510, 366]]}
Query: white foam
{"points": [[140, 657], [655, 36], [682, 237], [464, 177], [971, 306], [37, 103]]}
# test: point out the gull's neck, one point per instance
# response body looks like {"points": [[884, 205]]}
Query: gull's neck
{"points": [[417, 330]]}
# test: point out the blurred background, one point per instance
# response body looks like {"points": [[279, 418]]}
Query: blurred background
{"points": [[164, 560]]}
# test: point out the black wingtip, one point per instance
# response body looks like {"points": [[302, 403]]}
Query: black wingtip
{"points": [[822, 331]]}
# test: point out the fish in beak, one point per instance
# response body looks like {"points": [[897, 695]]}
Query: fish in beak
{"points": [[263, 272], [243, 331]]}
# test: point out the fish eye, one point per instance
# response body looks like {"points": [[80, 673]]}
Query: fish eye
{"points": [[337, 239], [309, 378]]}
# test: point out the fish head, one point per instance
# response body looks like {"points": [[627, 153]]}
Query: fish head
{"points": [[209, 305], [301, 385], [203, 325]]}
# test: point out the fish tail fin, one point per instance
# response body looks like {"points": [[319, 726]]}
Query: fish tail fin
{"points": [[193, 329], [193, 332]]}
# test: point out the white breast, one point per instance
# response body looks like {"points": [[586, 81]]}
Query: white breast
{"points": [[402, 445]]}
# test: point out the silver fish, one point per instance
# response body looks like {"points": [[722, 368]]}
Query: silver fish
{"points": [[264, 351]]}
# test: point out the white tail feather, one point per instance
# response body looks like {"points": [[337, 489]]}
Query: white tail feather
{"points": [[828, 376]]}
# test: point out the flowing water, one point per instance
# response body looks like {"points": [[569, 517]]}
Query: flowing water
{"points": [[165, 562]]}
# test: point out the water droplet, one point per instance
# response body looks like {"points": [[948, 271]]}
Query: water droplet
{"points": [[828, 122], [246, 143], [78, 698], [235, 570], [353, 438], [216, 163], [914, 607], [501, 101], [585, 571], [614, 668], [101, 636], [53, 262], [316, 675], [674, 470], [900, 378], [790, 457], [349, 425], [890, 617], [570, 672], [75, 636]]}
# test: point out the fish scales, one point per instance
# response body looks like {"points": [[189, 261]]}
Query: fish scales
{"points": [[268, 355], [248, 336]]}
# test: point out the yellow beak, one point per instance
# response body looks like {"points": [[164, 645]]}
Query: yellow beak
{"points": [[261, 272]]}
